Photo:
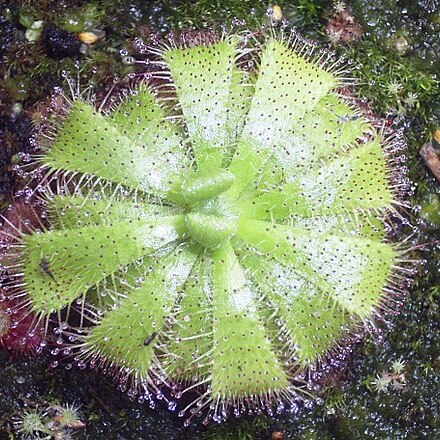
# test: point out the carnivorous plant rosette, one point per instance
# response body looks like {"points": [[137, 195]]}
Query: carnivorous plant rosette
{"points": [[220, 229]]}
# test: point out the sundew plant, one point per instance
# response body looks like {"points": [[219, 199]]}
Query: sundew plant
{"points": [[218, 232]]}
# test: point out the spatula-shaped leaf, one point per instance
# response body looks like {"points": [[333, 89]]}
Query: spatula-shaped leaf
{"points": [[355, 181], [60, 266], [287, 86], [203, 78], [243, 361], [89, 143], [126, 335], [79, 211], [350, 271], [312, 317]]}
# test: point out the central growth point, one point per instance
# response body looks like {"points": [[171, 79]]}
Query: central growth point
{"points": [[209, 220]]}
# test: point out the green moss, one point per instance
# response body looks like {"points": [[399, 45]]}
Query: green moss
{"points": [[246, 429], [201, 14], [392, 82]]}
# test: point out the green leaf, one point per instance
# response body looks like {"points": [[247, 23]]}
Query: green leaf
{"points": [[355, 181], [88, 143], [140, 118], [126, 335], [60, 266], [243, 360], [352, 272], [355, 224], [287, 86], [188, 355], [312, 318], [100, 208], [203, 78]]}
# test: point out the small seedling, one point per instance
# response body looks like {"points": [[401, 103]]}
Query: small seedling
{"points": [[56, 422]]}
